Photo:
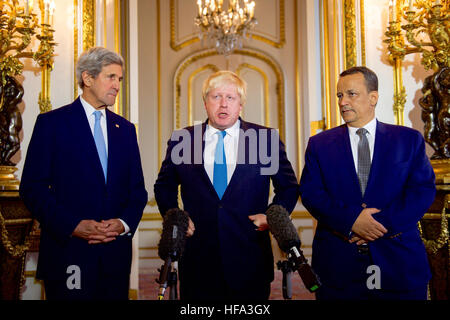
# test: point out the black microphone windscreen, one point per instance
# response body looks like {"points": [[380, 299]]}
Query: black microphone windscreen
{"points": [[173, 237], [282, 228]]}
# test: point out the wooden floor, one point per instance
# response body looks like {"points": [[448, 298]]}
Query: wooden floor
{"points": [[148, 288]]}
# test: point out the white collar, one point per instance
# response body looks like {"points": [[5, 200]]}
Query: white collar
{"points": [[232, 131], [89, 109], [371, 127]]}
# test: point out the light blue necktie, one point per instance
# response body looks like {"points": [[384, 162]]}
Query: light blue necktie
{"points": [[220, 166], [100, 142]]}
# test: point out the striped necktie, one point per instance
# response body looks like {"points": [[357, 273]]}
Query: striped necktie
{"points": [[364, 161]]}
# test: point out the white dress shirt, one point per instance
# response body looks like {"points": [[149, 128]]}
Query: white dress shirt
{"points": [[89, 109], [231, 144], [371, 127]]}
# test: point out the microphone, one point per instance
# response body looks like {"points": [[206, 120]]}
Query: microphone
{"points": [[171, 244], [286, 235]]}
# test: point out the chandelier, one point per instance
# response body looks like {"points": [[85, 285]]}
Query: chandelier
{"points": [[222, 29]]}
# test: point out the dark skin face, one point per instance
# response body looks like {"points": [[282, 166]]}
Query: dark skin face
{"points": [[356, 103]]}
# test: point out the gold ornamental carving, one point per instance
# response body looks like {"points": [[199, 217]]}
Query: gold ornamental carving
{"points": [[434, 245], [417, 26], [350, 33], [88, 24]]}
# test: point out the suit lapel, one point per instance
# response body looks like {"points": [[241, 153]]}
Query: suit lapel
{"points": [[114, 131], [199, 167], [83, 134], [348, 163], [381, 146], [235, 178]]}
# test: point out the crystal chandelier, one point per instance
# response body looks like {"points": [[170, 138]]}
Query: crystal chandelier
{"points": [[225, 29]]}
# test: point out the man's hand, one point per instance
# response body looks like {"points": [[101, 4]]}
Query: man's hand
{"points": [[359, 240], [191, 228], [114, 227], [366, 227], [97, 232], [260, 220]]}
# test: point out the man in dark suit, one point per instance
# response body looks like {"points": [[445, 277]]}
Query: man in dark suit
{"points": [[82, 180], [225, 191], [368, 188]]}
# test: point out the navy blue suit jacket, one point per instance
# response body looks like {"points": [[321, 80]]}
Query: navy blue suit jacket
{"points": [[63, 183], [401, 184], [225, 243]]}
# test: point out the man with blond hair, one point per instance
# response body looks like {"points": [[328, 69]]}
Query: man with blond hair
{"points": [[225, 184]]}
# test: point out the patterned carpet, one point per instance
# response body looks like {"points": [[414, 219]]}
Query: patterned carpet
{"points": [[148, 288]]}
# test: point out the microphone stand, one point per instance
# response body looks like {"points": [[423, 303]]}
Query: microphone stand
{"points": [[172, 282], [168, 278], [287, 268]]}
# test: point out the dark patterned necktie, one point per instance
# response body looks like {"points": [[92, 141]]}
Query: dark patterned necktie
{"points": [[363, 159]]}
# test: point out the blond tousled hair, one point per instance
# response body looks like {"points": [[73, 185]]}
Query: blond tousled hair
{"points": [[222, 78]]}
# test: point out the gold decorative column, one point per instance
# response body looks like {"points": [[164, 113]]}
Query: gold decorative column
{"points": [[45, 53]]}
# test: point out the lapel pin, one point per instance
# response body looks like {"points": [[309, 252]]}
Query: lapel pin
{"points": [[117, 126]]}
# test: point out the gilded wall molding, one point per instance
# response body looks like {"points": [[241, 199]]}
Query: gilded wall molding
{"points": [[173, 43], [88, 24], [279, 85], [159, 81], [325, 63], [363, 31], [192, 76], [75, 47], [350, 28], [276, 44], [282, 40], [121, 37], [353, 23], [298, 111], [315, 126], [87, 32], [88, 11], [266, 89], [209, 53], [350, 34]]}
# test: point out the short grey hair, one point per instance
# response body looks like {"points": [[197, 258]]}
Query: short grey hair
{"points": [[93, 60], [370, 77]]}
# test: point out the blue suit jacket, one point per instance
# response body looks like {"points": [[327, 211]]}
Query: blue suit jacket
{"points": [[63, 183], [401, 185], [225, 241]]}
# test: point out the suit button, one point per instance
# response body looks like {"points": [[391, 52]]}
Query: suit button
{"points": [[220, 206], [364, 205]]}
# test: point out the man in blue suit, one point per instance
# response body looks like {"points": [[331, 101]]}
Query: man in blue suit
{"points": [[367, 188], [82, 180], [224, 167]]}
